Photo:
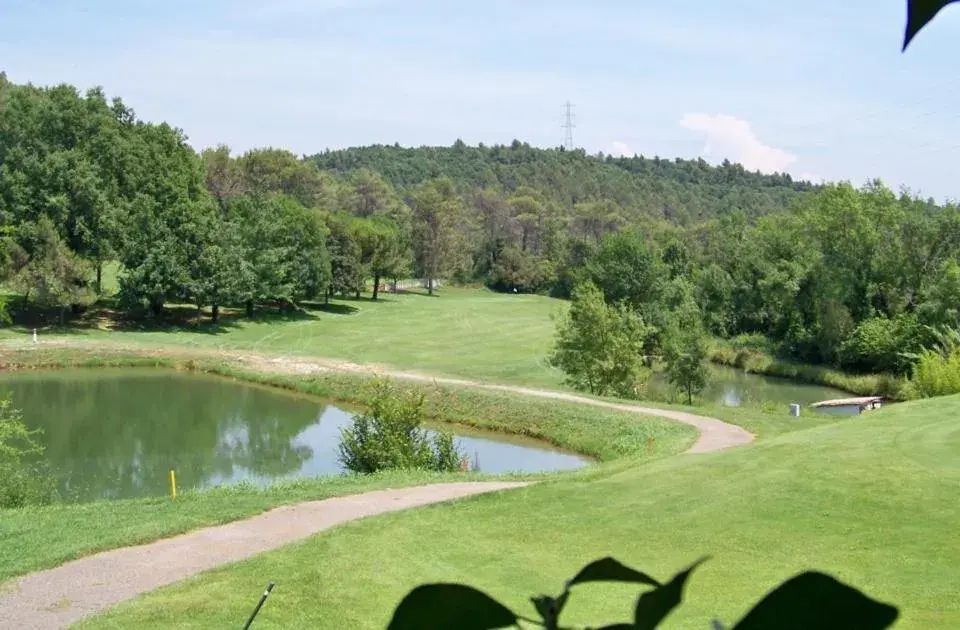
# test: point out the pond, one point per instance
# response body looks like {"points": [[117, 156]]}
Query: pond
{"points": [[118, 433], [732, 387]]}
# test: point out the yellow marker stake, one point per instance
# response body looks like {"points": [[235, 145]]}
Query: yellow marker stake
{"points": [[173, 484]]}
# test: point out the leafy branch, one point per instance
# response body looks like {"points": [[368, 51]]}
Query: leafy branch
{"points": [[919, 14], [808, 600]]}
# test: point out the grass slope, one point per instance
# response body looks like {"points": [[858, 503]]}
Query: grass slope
{"points": [[871, 500], [463, 332]]}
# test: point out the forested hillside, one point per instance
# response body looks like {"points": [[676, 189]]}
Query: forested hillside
{"points": [[681, 191], [853, 277]]}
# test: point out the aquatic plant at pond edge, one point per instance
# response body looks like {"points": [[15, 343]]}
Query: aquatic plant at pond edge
{"points": [[808, 600], [21, 484], [390, 435]]}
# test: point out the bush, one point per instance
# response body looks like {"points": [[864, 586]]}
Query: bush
{"points": [[21, 484], [390, 436], [935, 374], [879, 344]]}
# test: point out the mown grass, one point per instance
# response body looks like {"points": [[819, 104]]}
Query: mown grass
{"points": [[472, 333], [871, 501]]}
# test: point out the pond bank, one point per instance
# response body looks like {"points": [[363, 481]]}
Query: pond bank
{"points": [[115, 433], [756, 362], [605, 432]]}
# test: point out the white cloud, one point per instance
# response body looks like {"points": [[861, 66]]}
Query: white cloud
{"points": [[732, 138], [621, 149]]}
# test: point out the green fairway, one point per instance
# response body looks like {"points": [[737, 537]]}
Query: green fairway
{"points": [[871, 500], [463, 332]]}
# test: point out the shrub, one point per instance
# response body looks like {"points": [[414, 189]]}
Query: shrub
{"points": [[390, 436], [935, 374], [21, 484], [879, 344]]}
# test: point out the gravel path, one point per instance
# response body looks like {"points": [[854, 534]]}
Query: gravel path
{"points": [[715, 435], [58, 597]]}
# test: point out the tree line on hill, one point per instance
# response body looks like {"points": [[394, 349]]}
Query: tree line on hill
{"points": [[852, 277]]}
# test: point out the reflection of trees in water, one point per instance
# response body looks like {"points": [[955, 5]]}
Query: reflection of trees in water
{"points": [[120, 434]]}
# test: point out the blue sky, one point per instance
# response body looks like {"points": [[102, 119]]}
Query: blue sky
{"points": [[817, 88]]}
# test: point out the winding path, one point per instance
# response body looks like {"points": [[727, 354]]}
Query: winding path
{"points": [[714, 434], [58, 597]]}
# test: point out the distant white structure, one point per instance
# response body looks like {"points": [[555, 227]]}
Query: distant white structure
{"points": [[34, 335]]}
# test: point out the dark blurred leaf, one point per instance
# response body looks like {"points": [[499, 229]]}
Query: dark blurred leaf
{"points": [[654, 606], [919, 14], [816, 600], [609, 570], [550, 608], [618, 626], [442, 606]]}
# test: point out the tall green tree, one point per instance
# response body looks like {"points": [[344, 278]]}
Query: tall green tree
{"points": [[436, 210], [51, 274], [599, 347], [685, 350]]}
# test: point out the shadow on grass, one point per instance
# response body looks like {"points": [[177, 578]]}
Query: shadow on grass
{"points": [[107, 315], [336, 309]]}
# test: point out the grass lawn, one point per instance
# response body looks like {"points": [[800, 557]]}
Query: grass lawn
{"points": [[470, 333], [872, 501]]}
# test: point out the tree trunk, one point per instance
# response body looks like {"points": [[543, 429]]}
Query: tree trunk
{"points": [[63, 315], [99, 278], [429, 286], [215, 313], [156, 307], [249, 309], [376, 286]]}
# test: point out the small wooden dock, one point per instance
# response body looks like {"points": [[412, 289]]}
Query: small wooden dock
{"points": [[863, 404]]}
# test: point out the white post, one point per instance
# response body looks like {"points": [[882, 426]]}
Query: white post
{"points": [[34, 335]]}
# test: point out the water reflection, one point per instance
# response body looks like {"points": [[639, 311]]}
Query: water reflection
{"points": [[733, 388], [118, 433]]}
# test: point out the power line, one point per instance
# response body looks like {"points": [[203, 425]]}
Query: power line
{"points": [[568, 127]]}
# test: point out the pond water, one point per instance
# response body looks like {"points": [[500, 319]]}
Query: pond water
{"points": [[733, 388], [118, 433]]}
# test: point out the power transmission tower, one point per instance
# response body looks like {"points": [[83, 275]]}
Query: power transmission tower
{"points": [[568, 127]]}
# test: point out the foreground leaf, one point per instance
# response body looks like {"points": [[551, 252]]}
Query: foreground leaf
{"points": [[609, 570], [654, 606], [550, 608], [919, 14], [816, 600], [442, 606]]}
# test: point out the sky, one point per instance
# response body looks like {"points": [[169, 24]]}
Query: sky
{"points": [[818, 88]]}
